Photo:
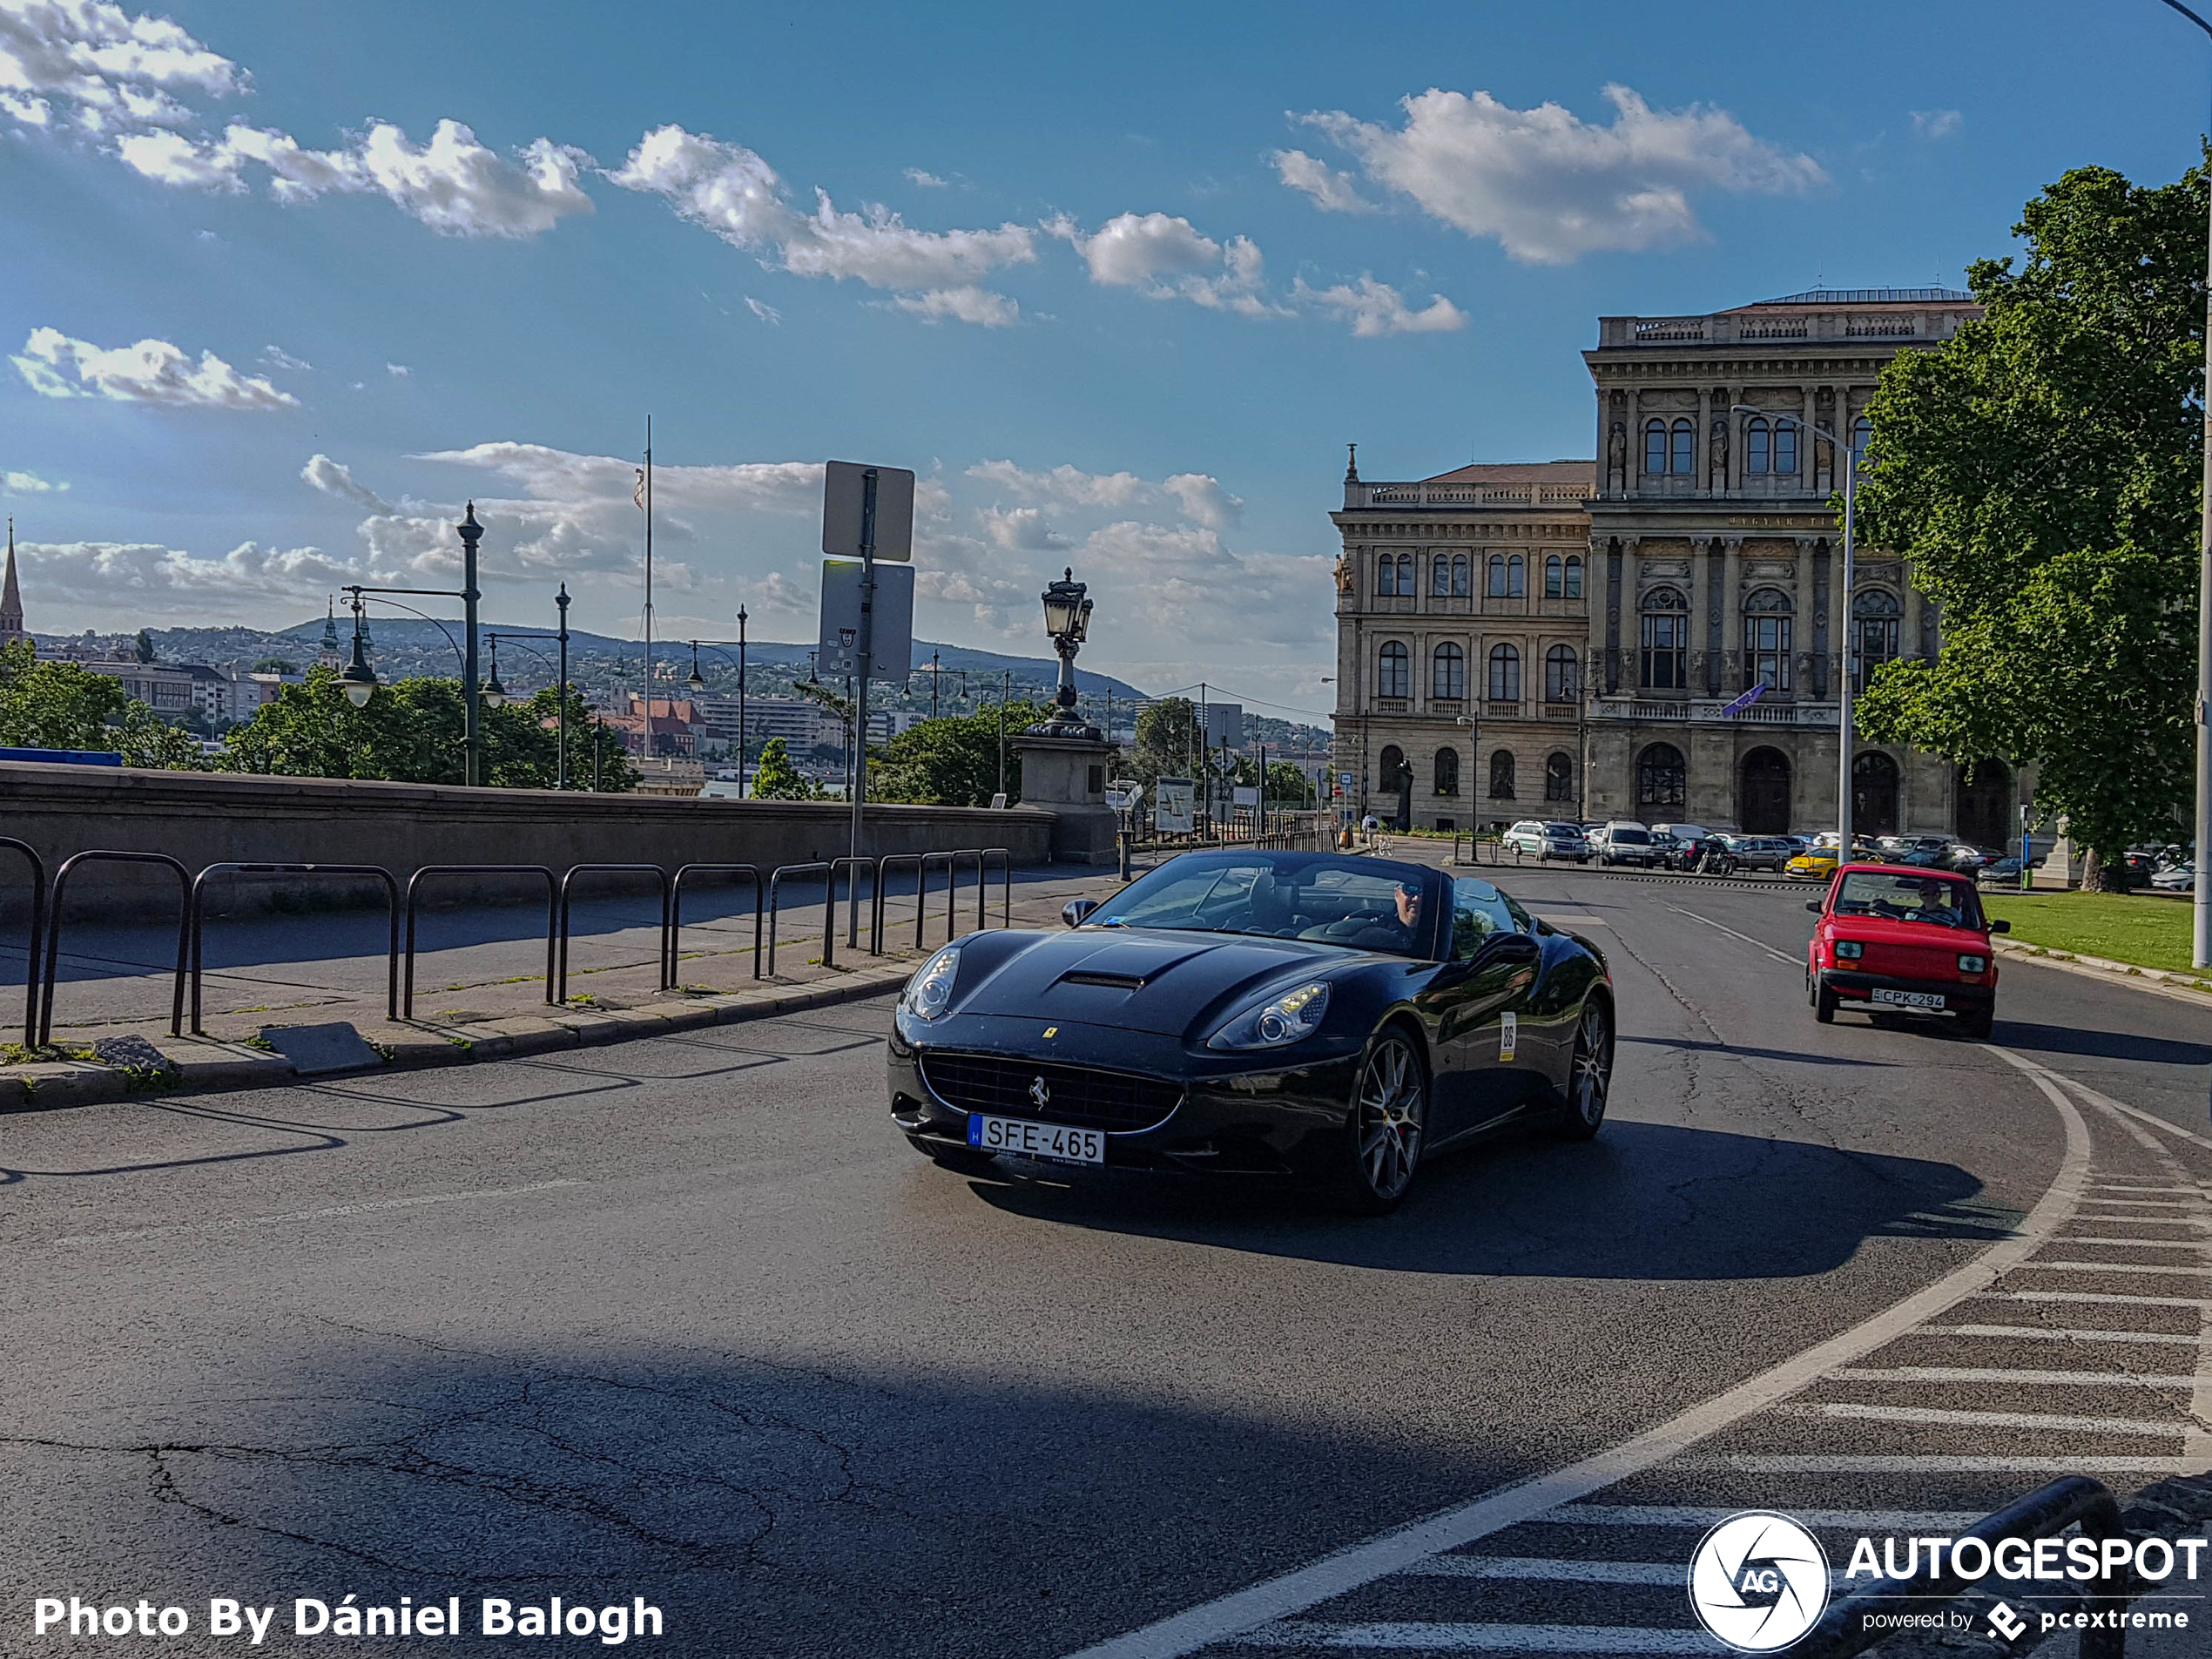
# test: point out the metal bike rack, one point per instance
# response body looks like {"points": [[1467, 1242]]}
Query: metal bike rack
{"points": [[852, 867], [37, 936], [54, 931], [1006, 884], [750, 872], [882, 889], [1848, 1627], [560, 993], [976, 854], [829, 908], [198, 909], [921, 894], [414, 896]]}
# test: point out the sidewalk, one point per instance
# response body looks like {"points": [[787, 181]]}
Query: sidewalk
{"points": [[285, 996]]}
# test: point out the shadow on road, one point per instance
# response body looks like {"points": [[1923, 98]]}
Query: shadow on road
{"points": [[1645, 1201], [2103, 1045]]}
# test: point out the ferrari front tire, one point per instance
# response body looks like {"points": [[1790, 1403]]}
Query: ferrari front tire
{"points": [[1589, 1073], [1385, 1128]]}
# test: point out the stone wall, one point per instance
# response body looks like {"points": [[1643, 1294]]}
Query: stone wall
{"points": [[202, 818]]}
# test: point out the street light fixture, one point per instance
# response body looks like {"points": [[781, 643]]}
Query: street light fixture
{"points": [[359, 679], [495, 693], [1846, 658], [696, 682], [1067, 619], [360, 687]]}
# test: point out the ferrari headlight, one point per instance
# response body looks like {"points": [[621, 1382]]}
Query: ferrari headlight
{"points": [[1288, 1018], [930, 992]]}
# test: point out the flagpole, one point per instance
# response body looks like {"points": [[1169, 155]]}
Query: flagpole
{"points": [[649, 586]]}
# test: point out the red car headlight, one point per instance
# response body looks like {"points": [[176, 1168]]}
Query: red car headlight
{"points": [[1971, 964], [1849, 950]]}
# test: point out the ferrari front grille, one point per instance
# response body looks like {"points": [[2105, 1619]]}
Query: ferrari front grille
{"points": [[1010, 1086]]}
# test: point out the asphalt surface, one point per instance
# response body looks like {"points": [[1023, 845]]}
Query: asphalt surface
{"points": [[686, 1320]]}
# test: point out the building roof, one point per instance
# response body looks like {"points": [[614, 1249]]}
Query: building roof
{"points": [[1869, 297], [1520, 472]]}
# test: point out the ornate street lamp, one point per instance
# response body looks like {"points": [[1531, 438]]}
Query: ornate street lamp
{"points": [[1067, 619], [358, 681]]}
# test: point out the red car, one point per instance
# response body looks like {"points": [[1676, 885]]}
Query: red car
{"points": [[1894, 937]]}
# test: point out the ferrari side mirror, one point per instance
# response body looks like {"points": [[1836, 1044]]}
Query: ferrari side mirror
{"points": [[1076, 909]]}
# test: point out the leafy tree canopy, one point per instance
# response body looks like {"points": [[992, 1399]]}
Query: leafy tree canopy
{"points": [[63, 705], [953, 761], [2041, 471], [276, 665], [1167, 741], [774, 777]]}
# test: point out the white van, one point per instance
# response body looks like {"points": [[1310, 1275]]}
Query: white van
{"points": [[1624, 841]]}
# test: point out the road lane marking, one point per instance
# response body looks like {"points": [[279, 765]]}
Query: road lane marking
{"points": [[2096, 1296], [2166, 1269], [2141, 1204], [1555, 1572], [2131, 1243], [1931, 1417], [2048, 1333], [2002, 1375], [1233, 1614], [1755, 944], [324, 1214], [1698, 1517], [2076, 1464], [1436, 1637]]}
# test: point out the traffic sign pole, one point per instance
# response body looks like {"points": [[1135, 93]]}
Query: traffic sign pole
{"points": [[869, 480]]}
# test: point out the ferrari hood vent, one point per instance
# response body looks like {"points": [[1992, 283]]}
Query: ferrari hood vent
{"points": [[1115, 982]]}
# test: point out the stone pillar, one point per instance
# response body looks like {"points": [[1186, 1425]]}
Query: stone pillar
{"points": [[1908, 644], [1731, 615], [1614, 557], [1839, 623], [1801, 621], [1067, 776]]}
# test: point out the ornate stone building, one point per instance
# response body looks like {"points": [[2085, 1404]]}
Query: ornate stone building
{"points": [[1706, 564], [11, 628]]}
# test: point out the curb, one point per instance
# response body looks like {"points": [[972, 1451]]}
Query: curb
{"points": [[202, 1065], [2181, 988]]}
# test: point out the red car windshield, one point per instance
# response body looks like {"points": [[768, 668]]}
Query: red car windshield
{"points": [[1933, 900]]}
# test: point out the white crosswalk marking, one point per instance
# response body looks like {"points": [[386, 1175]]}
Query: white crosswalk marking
{"points": [[2085, 1462], [1998, 1374], [1928, 1415], [2115, 1267], [1481, 1638], [2131, 1243], [2060, 1333], [2105, 1298], [1559, 1572], [1701, 1516]]}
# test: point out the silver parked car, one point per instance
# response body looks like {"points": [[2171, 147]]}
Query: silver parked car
{"points": [[1542, 840]]}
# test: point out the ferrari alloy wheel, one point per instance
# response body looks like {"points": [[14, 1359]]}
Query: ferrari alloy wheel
{"points": [[1589, 1075], [1389, 1115]]}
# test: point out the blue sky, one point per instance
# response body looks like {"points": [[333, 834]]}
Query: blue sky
{"points": [[1119, 283]]}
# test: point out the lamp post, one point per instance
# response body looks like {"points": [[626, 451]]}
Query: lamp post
{"points": [[496, 694], [696, 681], [360, 688], [1067, 620], [1849, 653]]}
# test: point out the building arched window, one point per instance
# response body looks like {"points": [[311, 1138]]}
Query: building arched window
{"points": [[1385, 576], [1462, 575], [1406, 575], [1504, 674], [1494, 586], [1685, 459], [1559, 775], [1562, 681], [1439, 576], [1516, 577], [1390, 770], [1861, 430], [1755, 445], [1766, 640], [1501, 775], [1574, 576], [1662, 783], [1665, 638], [1654, 447], [1554, 577], [1447, 676], [1875, 614], [1448, 771], [1786, 448], [1393, 671]]}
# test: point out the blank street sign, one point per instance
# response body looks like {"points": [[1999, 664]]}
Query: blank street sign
{"points": [[892, 639], [844, 487]]}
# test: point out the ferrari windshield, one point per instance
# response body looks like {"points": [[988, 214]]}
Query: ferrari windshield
{"points": [[1932, 898], [1365, 903]]}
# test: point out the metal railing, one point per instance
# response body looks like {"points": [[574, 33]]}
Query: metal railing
{"points": [[751, 874], [54, 931], [559, 992], [198, 909], [1857, 1622], [1006, 884], [37, 936], [852, 867], [414, 896], [883, 887], [829, 907]]}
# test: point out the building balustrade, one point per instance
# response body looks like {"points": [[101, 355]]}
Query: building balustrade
{"points": [[1427, 495], [1711, 709], [1499, 710]]}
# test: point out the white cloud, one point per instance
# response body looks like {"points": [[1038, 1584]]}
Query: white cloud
{"points": [[335, 478], [27, 484], [143, 579], [276, 357], [153, 371], [1551, 186], [1329, 187], [1185, 585], [1204, 500], [776, 594], [1937, 124], [452, 185], [734, 192], [110, 66], [926, 179], [1377, 308], [1165, 257], [965, 304], [398, 371], [1069, 486], [767, 313], [1021, 528]]}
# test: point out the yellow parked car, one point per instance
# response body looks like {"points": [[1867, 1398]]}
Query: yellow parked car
{"points": [[1816, 862]]}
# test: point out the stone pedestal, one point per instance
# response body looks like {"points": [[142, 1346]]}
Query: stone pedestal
{"points": [[1067, 777]]}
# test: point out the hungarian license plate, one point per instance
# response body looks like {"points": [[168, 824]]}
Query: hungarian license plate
{"points": [[1022, 1138], [1908, 999]]}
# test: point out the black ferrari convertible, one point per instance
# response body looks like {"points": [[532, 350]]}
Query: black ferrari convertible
{"points": [[1317, 1016]]}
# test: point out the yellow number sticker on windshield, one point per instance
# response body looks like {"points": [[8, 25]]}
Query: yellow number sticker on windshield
{"points": [[1508, 1035]]}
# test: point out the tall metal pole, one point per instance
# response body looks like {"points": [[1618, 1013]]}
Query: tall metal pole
{"points": [[741, 622], [648, 615], [868, 643], [1843, 733], [471, 736], [562, 708]]}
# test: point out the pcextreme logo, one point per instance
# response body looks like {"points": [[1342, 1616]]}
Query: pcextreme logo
{"points": [[1759, 1581]]}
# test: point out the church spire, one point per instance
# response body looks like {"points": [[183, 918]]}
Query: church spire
{"points": [[10, 597]]}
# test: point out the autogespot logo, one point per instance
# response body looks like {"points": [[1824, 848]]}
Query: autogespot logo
{"points": [[1759, 1581]]}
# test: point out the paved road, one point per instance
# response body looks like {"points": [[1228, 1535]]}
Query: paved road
{"points": [[683, 1320]]}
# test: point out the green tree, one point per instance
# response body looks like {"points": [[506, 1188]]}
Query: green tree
{"points": [[2041, 470], [774, 777], [142, 648], [954, 760], [1167, 741], [61, 705], [276, 665], [1287, 787]]}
